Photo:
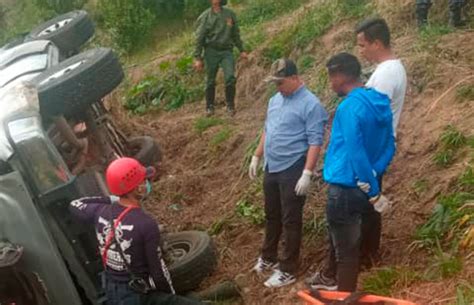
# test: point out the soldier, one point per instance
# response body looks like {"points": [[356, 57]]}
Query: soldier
{"points": [[217, 34], [455, 8]]}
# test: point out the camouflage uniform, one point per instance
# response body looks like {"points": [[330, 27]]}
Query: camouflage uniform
{"points": [[455, 7], [217, 34]]}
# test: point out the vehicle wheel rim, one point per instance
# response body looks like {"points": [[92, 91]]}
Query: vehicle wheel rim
{"points": [[178, 250], [62, 72], [54, 27]]}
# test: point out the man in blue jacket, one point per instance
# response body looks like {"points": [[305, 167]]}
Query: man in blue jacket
{"points": [[360, 149]]}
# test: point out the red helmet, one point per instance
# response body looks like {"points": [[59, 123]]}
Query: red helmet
{"points": [[124, 174]]}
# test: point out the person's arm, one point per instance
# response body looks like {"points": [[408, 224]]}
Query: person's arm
{"points": [[353, 141], [312, 157], [86, 208], [154, 257], [237, 40], [384, 161], [316, 120], [200, 36], [261, 144]]}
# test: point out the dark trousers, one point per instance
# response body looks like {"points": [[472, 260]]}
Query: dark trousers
{"points": [[119, 293], [344, 211], [371, 232], [283, 215]]}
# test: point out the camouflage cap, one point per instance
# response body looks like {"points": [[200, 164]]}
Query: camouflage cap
{"points": [[281, 69]]}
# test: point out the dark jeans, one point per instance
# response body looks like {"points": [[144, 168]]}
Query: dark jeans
{"points": [[344, 214], [118, 293], [371, 232], [283, 215]]}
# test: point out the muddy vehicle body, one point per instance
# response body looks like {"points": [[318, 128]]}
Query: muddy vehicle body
{"points": [[56, 138]]}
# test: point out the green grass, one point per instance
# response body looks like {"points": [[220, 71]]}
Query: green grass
{"points": [[305, 63], [222, 136], [464, 294], [429, 36], [385, 280], [313, 24], [315, 226], [204, 123], [258, 11], [420, 186], [447, 222], [254, 214], [450, 141], [466, 180], [443, 266], [465, 93]]}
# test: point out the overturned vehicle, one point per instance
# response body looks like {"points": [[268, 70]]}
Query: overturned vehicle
{"points": [[56, 138]]}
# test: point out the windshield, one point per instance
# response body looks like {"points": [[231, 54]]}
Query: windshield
{"points": [[42, 162], [26, 68]]}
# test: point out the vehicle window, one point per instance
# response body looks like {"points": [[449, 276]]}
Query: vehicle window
{"points": [[26, 65], [42, 161]]}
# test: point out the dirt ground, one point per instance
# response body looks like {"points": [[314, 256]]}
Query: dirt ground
{"points": [[201, 184]]}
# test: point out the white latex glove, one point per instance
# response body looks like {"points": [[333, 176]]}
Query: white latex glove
{"points": [[364, 186], [381, 203], [302, 187], [253, 168]]}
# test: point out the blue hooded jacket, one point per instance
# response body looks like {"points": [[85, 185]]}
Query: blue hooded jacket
{"points": [[362, 142]]}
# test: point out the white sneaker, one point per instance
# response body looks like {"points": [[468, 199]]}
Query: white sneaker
{"points": [[279, 279], [263, 265]]}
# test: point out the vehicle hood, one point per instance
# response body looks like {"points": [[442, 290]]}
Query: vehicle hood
{"points": [[15, 99]]}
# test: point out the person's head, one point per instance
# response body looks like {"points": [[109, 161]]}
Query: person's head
{"points": [[373, 39], [218, 2], [126, 177], [344, 73], [284, 75]]}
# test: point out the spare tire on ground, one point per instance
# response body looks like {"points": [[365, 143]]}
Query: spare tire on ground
{"points": [[68, 31], [78, 82], [191, 258]]}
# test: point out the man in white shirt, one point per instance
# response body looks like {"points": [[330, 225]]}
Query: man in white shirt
{"points": [[373, 40]]}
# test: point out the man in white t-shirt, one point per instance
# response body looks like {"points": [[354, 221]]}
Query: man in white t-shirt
{"points": [[373, 40]]}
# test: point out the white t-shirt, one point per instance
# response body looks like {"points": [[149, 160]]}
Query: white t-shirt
{"points": [[390, 78]]}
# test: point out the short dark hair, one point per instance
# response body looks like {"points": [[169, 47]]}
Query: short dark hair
{"points": [[346, 64], [375, 29]]}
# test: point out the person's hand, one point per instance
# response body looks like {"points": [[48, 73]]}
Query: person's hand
{"points": [[253, 168], [198, 65], [381, 203], [244, 55], [364, 186], [302, 187]]}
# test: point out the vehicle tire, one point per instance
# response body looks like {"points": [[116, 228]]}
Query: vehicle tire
{"points": [[145, 149], [77, 82], [68, 31], [192, 256]]}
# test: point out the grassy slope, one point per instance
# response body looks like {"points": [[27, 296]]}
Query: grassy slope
{"points": [[206, 181]]}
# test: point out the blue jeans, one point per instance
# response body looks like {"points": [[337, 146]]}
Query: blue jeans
{"points": [[118, 293], [344, 214]]}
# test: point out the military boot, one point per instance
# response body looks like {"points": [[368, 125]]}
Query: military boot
{"points": [[230, 97], [210, 97], [422, 14], [455, 18]]}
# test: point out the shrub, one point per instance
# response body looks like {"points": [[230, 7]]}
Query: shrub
{"points": [[61, 6], [128, 21]]}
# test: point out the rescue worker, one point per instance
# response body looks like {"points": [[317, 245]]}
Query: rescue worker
{"points": [[455, 12], [217, 34], [129, 239], [291, 144]]}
